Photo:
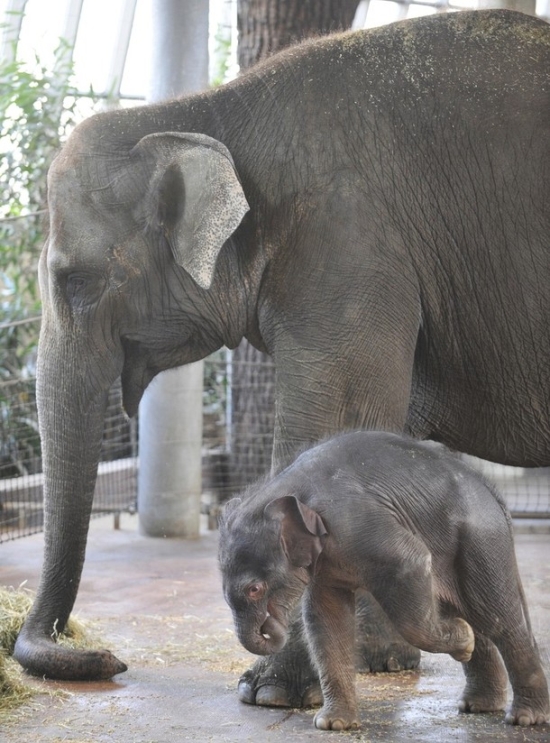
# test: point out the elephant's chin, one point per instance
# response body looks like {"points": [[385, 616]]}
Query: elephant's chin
{"points": [[270, 639]]}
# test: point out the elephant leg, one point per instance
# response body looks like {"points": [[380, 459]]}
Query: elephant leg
{"points": [[71, 408], [321, 392], [379, 646], [405, 589], [495, 605], [486, 679], [510, 632]]}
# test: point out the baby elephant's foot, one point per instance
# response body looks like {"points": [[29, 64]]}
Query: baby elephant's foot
{"points": [[463, 639], [526, 716], [379, 646], [336, 718], [532, 712], [482, 702]]}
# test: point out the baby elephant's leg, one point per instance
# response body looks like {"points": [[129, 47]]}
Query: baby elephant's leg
{"points": [[329, 616], [405, 590], [530, 705], [486, 679], [494, 602]]}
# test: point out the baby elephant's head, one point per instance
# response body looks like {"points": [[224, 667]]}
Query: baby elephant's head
{"points": [[267, 556]]}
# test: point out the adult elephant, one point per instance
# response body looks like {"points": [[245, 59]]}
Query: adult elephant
{"points": [[371, 209]]}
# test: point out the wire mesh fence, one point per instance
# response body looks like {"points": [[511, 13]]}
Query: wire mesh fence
{"points": [[21, 502], [238, 417]]}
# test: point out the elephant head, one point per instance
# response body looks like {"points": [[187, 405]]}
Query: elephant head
{"points": [[267, 558], [131, 285]]}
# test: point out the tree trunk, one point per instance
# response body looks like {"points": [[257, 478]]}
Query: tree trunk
{"points": [[265, 27]]}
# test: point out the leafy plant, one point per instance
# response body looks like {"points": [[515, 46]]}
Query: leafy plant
{"points": [[37, 111]]}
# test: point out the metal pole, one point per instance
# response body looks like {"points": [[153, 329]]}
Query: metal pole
{"points": [[170, 417]]}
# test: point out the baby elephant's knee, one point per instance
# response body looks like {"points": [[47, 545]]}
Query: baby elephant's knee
{"points": [[462, 636]]}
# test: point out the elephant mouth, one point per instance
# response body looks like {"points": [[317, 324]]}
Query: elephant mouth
{"points": [[267, 636], [274, 632], [275, 626]]}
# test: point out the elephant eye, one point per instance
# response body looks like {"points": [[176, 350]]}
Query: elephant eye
{"points": [[256, 591], [82, 290], [74, 284]]}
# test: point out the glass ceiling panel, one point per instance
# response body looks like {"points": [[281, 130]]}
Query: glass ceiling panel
{"points": [[137, 70], [95, 42], [41, 30]]}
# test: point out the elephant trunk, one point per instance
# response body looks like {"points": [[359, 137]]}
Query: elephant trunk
{"points": [[269, 638], [72, 392]]}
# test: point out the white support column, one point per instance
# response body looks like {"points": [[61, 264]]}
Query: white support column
{"points": [[170, 442], [170, 416]]}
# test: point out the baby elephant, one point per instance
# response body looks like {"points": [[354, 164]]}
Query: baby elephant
{"points": [[412, 524]]}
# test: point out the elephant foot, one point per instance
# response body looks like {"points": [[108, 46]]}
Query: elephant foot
{"points": [[482, 703], [531, 706], [336, 718], [525, 715], [379, 647], [486, 687], [281, 681], [378, 656]]}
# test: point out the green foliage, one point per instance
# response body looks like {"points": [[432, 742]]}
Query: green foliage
{"points": [[37, 111], [221, 57], [37, 108]]}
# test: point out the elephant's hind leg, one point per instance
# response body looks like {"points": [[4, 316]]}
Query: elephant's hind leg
{"points": [[379, 646], [493, 596], [405, 590], [530, 705], [486, 679]]}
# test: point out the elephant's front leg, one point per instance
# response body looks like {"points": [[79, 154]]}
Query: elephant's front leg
{"points": [[325, 384], [329, 615]]}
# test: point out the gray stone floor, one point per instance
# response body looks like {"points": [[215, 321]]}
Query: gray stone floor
{"points": [[158, 605]]}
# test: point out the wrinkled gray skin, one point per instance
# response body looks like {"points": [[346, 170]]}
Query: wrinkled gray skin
{"points": [[370, 209], [407, 521]]}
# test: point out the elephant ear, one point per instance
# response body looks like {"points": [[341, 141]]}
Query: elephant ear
{"points": [[195, 197], [302, 530]]}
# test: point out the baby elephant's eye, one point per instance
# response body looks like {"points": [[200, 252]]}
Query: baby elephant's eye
{"points": [[256, 591]]}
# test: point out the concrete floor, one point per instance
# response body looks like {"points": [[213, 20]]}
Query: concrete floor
{"points": [[158, 605]]}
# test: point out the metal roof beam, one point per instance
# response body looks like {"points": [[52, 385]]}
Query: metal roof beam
{"points": [[11, 28], [120, 50]]}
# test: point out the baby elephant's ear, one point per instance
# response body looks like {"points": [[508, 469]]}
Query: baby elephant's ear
{"points": [[302, 530]]}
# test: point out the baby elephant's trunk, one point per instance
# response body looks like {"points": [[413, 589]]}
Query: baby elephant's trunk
{"points": [[270, 638]]}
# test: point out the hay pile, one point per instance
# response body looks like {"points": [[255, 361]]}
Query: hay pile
{"points": [[14, 607]]}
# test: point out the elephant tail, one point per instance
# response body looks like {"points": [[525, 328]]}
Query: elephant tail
{"points": [[524, 606], [42, 656]]}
